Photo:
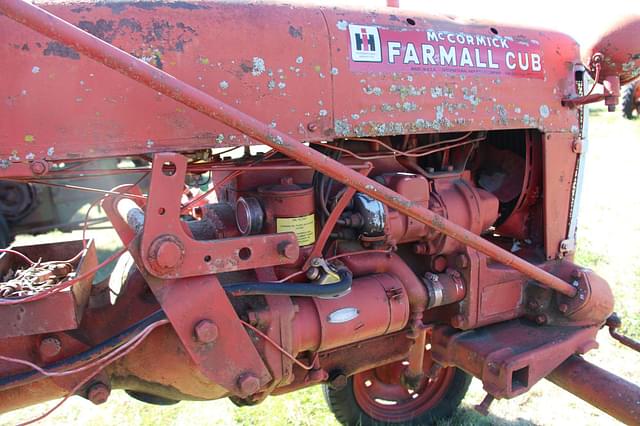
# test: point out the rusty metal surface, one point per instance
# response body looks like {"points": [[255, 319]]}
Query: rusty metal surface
{"points": [[247, 67], [418, 93], [250, 70], [512, 356], [608, 392], [60, 311]]}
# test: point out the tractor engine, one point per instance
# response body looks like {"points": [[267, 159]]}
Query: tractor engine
{"points": [[381, 202]]}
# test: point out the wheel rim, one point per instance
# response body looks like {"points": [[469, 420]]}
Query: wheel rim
{"points": [[381, 395]]}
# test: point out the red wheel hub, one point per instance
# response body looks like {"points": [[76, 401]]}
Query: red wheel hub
{"points": [[380, 393]]}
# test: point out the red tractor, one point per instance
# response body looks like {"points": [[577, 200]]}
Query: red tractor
{"points": [[391, 207]]}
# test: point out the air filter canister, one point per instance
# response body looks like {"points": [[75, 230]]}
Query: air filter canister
{"points": [[289, 207]]}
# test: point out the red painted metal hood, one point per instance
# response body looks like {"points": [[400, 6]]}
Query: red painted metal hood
{"points": [[312, 72]]}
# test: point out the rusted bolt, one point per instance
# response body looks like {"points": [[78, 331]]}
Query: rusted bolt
{"points": [[248, 384], [533, 305], [98, 393], [563, 307], [50, 347], [457, 321], [312, 127], [541, 319], [462, 261], [166, 253], [339, 382], [206, 331], [439, 264], [38, 167], [288, 250]]}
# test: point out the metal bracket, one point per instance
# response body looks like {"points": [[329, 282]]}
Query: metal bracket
{"points": [[167, 249]]}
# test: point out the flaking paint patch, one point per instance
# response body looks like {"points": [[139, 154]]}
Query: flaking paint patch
{"points": [[258, 66], [299, 60], [342, 127], [372, 90], [35, 69], [224, 84], [544, 111], [342, 25]]}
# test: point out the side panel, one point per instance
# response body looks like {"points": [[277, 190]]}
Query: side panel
{"points": [[269, 61], [419, 73]]}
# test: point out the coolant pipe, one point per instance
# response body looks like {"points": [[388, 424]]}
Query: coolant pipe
{"points": [[608, 392], [51, 26]]}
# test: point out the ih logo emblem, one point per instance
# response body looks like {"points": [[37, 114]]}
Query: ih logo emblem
{"points": [[365, 44]]}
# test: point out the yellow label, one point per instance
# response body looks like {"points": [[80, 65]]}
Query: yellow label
{"points": [[304, 227]]}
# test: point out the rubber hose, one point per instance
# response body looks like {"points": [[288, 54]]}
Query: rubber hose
{"points": [[293, 289]]}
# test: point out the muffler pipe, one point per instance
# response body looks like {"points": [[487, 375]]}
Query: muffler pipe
{"points": [[605, 391]]}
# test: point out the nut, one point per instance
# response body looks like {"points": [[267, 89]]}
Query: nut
{"points": [[206, 331], [98, 393], [38, 167], [248, 384], [312, 127], [50, 347]]}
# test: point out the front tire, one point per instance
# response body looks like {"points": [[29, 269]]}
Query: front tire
{"points": [[377, 397], [629, 97]]}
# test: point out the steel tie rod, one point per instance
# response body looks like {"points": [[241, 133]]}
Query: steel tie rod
{"points": [[58, 29]]}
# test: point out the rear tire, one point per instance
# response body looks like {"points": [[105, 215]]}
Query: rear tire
{"points": [[5, 235], [377, 397], [629, 100]]}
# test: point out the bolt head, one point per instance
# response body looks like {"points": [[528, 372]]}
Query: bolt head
{"points": [[288, 250], [168, 255], [206, 331], [38, 167], [98, 393], [563, 307], [541, 319], [312, 127], [248, 384], [50, 347]]}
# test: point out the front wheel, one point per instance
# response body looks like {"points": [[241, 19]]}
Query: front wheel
{"points": [[630, 96], [377, 396]]}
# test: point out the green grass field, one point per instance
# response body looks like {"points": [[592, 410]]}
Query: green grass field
{"points": [[609, 240]]}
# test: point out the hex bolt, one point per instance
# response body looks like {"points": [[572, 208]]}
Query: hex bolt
{"points": [[50, 347], [98, 393], [38, 167], [248, 384], [563, 307], [205, 331], [312, 127]]}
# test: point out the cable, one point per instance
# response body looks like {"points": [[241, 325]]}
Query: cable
{"points": [[280, 348], [17, 253], [122, 351], [66, 284], [293, 289]]}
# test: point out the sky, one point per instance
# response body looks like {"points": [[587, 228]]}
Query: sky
{"points": [[584, 21]]}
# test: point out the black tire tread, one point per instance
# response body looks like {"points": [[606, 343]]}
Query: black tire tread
{"points": [[628, 100], [343, 404]]}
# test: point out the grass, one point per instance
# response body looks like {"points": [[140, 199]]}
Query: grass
{"points": [[609, 242]]}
